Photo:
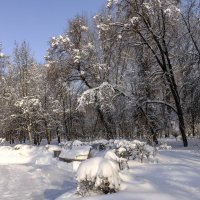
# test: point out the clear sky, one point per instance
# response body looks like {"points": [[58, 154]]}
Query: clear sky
{"points": [[36, 21]]}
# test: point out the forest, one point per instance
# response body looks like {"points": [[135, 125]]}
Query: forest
{"points": [[132, 71]]}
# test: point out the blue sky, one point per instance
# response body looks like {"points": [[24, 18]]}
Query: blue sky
{"points": [[36, 21]]}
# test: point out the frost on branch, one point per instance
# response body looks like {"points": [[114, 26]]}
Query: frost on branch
{"points": [[61, 42], [76, 56], [84, 28], [101, 96], [134, 20], [111, 2], [172, 11], [28, 104], [75, 45], [103, 26]]}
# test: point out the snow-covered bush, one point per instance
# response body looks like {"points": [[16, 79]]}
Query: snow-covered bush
{"points": [[99, 145], [98, 175], [124, 152], [71, 144], [77, 143], [124, 148], [143, 151], [100, 141], [66, 144], [135, 149]]}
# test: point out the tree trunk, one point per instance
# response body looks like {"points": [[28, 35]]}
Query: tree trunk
{"points": [[179, 113], [47, 132], [109, 133], [58, 135], [38, 139], [65, 120], [30, 134], [35, 140], [193, 125]]}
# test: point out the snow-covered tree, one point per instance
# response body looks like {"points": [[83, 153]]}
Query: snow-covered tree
{"points": [[154, 24], [29, 111]]}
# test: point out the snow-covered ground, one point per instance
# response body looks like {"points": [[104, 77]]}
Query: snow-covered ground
{"points": [[28, 182], [33, 174], [176, 176], [29, 175]]}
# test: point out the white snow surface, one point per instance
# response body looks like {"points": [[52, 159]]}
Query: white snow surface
{"points": [[26, 154], [31, 173], [176, 175]]}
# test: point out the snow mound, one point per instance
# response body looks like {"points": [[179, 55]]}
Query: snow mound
{"points": [[98, 174], [26, 154], [88, 169]]}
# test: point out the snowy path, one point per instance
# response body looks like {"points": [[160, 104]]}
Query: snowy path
{"points": [[25, 182], [176, 176]]}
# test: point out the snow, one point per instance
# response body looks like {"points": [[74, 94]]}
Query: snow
{"points": [[108, 169], [103, 94], [172, 10], [88, 169], [112, 156], [2, 140], [165, 146], [32, 173], [103, 27], [98, 170], [119, 36], [111, 2], [26, 154], [25, 182], [134, 20], [175, 176], [77, 143], [84, 28], [76, 165], [76, 153]]}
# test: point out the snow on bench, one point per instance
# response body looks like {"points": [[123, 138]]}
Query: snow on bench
{"points": [[78, 153]]}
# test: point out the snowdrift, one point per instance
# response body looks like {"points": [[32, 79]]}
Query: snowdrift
{"points": [[26, 154]]}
